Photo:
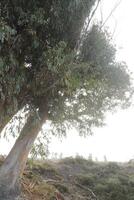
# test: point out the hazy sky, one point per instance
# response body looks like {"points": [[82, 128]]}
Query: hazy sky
{"points": [[116, 139]]}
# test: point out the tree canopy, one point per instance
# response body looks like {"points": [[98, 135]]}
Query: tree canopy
{"points": [[40, 65]]}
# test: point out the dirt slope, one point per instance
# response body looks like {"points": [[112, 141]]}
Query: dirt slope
{"points": [[77, 179]]}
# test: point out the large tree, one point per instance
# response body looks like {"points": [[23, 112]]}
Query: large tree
{"points": [[50, 67]]}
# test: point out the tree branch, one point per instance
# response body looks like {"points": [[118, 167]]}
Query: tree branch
{"points": [[111, 13]]}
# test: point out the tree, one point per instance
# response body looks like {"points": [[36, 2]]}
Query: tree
{"points": [[42, 70]]}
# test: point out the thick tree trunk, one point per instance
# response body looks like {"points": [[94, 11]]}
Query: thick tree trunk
{"points": [[15, 162]]}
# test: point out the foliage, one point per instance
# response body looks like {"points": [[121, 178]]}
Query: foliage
{"points": [[40, 66], [79, 160], [109, 181]]}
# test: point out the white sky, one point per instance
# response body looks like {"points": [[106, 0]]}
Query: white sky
{"points": [[116, 139]]}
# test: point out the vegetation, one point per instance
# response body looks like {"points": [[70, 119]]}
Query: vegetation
{"points": [[51, 70], [77, 179]]}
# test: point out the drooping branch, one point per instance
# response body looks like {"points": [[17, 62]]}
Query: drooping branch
{"points": [[111, 13], [87, 24]]}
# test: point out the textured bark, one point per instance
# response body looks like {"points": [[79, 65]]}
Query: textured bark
{"points": [[15, 162]]}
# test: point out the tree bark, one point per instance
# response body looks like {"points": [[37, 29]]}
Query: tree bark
{"points": [[15, 162]]}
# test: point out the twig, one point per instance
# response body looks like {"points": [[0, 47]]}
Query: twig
{"points": [[110, 14], [25, 186], [88, 189], [51, 181]]}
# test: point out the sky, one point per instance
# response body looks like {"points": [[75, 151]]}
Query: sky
{"points": [[115, 140]]}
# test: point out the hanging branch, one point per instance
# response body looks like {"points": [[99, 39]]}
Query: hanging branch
{"points": [[92, 15], [111, 13], [114, 30], [101, 12], [85, 30]]}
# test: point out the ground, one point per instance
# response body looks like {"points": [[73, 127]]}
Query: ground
{"points": [[77, 179]]}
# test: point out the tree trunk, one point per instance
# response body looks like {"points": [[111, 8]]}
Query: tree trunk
{"points": [[15, 162]]}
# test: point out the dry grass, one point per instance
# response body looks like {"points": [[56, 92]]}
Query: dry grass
{"points": [[77, 179]]}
